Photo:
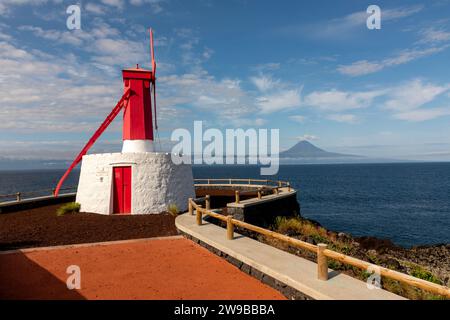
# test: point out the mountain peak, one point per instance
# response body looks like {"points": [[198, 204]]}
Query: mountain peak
{"points": [[305, 149]]}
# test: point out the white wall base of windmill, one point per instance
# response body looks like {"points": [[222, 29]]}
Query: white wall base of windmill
{"points": [[130, 146], [156, 182]]}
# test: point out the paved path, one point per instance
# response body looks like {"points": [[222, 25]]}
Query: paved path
{"points": [[292, 270], [163, 268]]}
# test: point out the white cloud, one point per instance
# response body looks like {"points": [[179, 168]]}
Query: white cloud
{"points": [[275, 95], [105, 44], [345, 118], [347, 25], [119, 52], [270, 66], [405, 101], [336, 100], [264, 83], [413, 95], [308, 137], [49, 93], [95, 8], [363, 67], [154, 4], [433, 35], [281, 100], [298, 118], [6, 5], [401, 12], [223, 97], [63, 37], [422, 114], [114, 3]]}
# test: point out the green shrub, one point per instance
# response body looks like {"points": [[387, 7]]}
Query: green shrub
{"points": [[173, 209], [423, 274], [71, 207]]}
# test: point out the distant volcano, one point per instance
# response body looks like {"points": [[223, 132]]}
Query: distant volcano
{"points": [[305, 149]]}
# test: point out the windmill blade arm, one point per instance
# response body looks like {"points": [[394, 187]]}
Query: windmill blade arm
{"points": [[94, 138], [152, 51]]}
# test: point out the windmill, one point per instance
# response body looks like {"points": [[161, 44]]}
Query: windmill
{"points": [[137, 180]]}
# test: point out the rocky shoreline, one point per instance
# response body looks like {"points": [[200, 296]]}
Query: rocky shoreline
{"points": [[430, 262]]}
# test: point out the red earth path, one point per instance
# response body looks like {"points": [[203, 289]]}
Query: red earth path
{"points": [[171, 268]]}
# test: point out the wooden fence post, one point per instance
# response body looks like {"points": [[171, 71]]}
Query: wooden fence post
{"points": [[230, 228], [322, 263], [18, 197], [259, 193], [191, 211], [289, 186], [236, 193], [207, 202], [199, 216]]}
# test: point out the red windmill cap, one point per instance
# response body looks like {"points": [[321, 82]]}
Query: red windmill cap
{"points": [[137, 73]]}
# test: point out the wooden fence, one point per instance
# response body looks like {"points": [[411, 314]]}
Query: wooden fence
{"points": [[321, 250]]}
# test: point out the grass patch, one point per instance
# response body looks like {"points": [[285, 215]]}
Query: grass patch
{"points": [[71, 207], [173, 209], [298, 226], [302, 227], [423, 274], [306, 230]]}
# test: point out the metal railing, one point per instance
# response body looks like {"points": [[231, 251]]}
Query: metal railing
{"points": [[240, 181], [20, 196], [320, 249], [275, 185]]}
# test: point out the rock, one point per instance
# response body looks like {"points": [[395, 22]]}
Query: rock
{"points": [[393, 264], [369, 243]]}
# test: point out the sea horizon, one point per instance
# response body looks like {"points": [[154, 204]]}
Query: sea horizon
{"points": [[402, 202]]}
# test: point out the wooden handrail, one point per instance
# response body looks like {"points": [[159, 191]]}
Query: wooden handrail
{"points": [[392, 274], [275, 235], [323, 253]]}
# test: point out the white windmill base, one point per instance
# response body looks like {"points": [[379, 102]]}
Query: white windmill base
{"points": [[156, 182]]}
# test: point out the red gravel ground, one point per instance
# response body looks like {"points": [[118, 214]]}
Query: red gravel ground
{"points": [[171, 268]]}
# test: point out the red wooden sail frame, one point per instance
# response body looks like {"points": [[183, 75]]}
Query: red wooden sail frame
{"points": [[115, 111]]}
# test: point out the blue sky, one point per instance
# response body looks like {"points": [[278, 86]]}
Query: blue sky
{"points": [[311, 69]]}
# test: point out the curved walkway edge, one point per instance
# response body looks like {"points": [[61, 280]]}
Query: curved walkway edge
{"points": [[293, 271]]}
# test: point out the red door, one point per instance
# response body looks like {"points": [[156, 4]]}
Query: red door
{"points": [[122, 190]]}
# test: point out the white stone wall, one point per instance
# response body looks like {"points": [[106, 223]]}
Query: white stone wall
{"points": [[156, 182]]}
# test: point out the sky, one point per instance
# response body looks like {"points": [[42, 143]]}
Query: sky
{"points": [[309, 68]]}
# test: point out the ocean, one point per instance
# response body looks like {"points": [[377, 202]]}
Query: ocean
{"points": [[408, 203]]}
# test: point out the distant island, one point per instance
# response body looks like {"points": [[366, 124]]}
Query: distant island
{"points": [[307, 153], [303, 152], [305, 149]]}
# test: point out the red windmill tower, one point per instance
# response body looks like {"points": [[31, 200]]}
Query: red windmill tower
{"points": [[125, 182]]}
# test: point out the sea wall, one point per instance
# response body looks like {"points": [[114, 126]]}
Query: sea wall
{"points": [[264, 213]]}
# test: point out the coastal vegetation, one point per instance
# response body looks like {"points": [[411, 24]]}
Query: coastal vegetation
{"points": [[71, 207], [173, 209], [376, 251]]}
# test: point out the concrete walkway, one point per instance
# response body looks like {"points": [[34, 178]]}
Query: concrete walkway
{"points": [[289, 269]]}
